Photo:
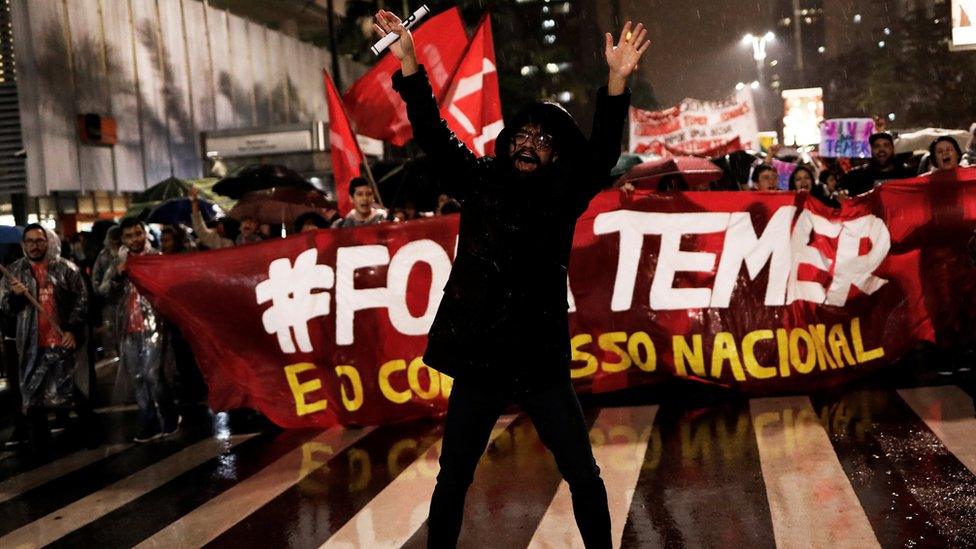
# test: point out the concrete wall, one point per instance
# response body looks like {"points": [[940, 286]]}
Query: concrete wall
{"points": [[167, 70]]}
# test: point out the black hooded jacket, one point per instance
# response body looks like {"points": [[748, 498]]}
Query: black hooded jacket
{"points": [[503, 317]]}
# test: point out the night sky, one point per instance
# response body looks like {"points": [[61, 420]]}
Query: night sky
{"points": [[697, 50]]}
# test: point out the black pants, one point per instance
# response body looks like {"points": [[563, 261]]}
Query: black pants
{"points": [[472, 412], [88, 432]]}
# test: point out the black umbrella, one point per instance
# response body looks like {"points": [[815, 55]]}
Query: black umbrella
{"points": [[178, 211], [258, 177], [737, 167]]}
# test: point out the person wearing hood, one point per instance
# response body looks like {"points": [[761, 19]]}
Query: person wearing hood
{"points": [[502, 328], [48, 334], [883, 166], [104, 260], [141, 334]]}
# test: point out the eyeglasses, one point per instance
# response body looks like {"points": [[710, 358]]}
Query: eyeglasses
{"points": [[542, 141], [35, 241]]}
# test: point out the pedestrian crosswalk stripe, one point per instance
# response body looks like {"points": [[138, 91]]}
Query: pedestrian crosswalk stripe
{"points": [[211, 519], [15, 486], [63, 521], [810, 497], [619, 437], [396, 513], [949, 412], [309, 512]]}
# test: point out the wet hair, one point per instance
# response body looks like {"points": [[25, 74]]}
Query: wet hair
{"points": [[128, 223], [357, 182], [33, 227], [312, 217], [759, 171], [944, 139], [808, 169], [880, 135]]}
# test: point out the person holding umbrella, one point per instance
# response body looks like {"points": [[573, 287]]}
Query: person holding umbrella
{"points": [[506, 295], [46, 294]]}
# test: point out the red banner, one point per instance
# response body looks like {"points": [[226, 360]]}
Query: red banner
{"points": [[764, 292]]}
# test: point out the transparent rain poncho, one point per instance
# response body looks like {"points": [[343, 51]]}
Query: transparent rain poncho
{"points": [[47, 374], [141, 335]]}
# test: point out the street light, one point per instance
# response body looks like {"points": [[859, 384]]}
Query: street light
{"points": [[758, 44]]}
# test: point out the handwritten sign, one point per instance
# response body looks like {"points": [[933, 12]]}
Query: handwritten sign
{"points": [[846, 137]]}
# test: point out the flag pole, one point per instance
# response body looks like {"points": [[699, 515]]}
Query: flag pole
{"points": [[372, 181], [33, 301]]}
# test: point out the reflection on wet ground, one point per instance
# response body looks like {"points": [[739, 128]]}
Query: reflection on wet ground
{"points": [[859, 467]]}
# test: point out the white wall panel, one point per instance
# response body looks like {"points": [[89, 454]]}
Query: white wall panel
{"points": [[152, 108], [123, 95]]}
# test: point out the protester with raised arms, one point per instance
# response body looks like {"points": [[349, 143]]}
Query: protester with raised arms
{"points": [[507, 289]]}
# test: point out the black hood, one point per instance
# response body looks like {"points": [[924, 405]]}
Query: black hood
{"points": [[568, 140]]}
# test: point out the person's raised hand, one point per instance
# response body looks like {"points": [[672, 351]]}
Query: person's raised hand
{"points": [[194, 196], [623, 58], [68, 340], [403, 49]]}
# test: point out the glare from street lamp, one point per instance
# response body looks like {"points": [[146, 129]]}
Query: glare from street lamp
{"points": [[769, 37], [754, 85], [740, 86], [748, 38]]}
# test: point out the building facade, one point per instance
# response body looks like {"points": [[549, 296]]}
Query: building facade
{"points": [[165, 71]]}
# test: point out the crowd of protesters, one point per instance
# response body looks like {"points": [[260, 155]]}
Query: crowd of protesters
{"points": [[65, 305], [831, 180]]}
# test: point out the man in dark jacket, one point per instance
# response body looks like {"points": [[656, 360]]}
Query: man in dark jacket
{"points": [[883, 166], [502, 329]]}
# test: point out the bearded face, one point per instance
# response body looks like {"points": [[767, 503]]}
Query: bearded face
{"points": [[531, 148]]}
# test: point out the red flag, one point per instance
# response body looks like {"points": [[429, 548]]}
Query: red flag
{"points": [[471, 106], [377, 109], [346, 156]]}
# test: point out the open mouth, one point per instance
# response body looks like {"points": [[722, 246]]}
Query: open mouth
{"points": [[526, 162]]}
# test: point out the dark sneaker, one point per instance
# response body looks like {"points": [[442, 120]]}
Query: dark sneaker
{"points": [[172, 430], [148, 435]]}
